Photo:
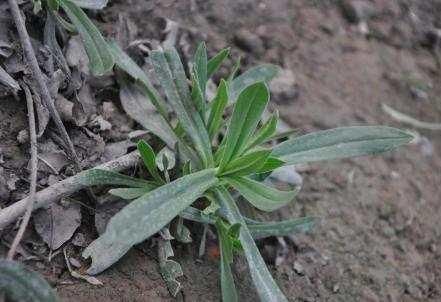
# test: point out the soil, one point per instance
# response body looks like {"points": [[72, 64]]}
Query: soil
{"points": [[379, 237]]}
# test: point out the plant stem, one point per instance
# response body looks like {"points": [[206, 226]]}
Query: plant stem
{"points": [[36, 72], [33, 180]]}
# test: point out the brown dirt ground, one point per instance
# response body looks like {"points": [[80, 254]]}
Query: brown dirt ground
{"points": [[379, 237]]}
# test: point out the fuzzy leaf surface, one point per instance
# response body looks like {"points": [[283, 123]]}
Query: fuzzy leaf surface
{"points": [[218, 105], [137, 106], [145, 216], [171, 75], [215, 62], [100, 57], [247, 113], [21, 284], [247, 164], [340, 143], [266, 287], [261, 196], [149, 158], [98, 177], [129, 193], [228, 288], [261, 73]]}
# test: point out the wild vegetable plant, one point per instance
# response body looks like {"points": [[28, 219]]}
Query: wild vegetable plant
{"points": [[215, 153]]}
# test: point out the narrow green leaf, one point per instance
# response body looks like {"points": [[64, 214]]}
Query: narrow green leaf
{"points": [[200, 67], [149, 158], [270, 164], [98, 177], [266, 131], [340, 143], [145, 216], [247, 164], [64, 23], [91, 4], [261, 196], [186, 168], [135, 103], [130, 193], [182, 233], [247, 112], [259, 229], [235, 70], [263, 281], [228, 288], [123, 61], [193, 214], [100, 58], [21, 284], [261, 73], [215, 62], [282, 228], [197, 95], [171, 75], [217, 109]]}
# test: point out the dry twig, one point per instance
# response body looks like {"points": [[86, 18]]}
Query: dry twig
{"points": [[33, 180], [36, 72], [62, 189]]}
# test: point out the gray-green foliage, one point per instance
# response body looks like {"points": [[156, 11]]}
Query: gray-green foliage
{"points": [[215, 154], [21, 284], [97, 49]]}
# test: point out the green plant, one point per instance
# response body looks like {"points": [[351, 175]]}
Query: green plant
{"points": [[100, 58], [21, 284], [211, 160]]}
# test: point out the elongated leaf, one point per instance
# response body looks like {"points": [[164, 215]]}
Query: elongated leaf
{"points": [[197, 95], [281, 228], [97, 177], [200, 67], [270, 164], [171, 75], [266, 131], [259, 229], [145, 216], [196, 215], [149, 159], [129, 193], [235, 70], [215, 62], [136, 105], [263, 281], [247, 112], [217, 109], [91, 4], [245, 165], [261, 196], [228, 288], [100, 58], [123, 61], [340, 143], [261, 73], [21, 284]]}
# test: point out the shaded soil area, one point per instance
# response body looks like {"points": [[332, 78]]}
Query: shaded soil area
{"points": [[379, 237]]}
